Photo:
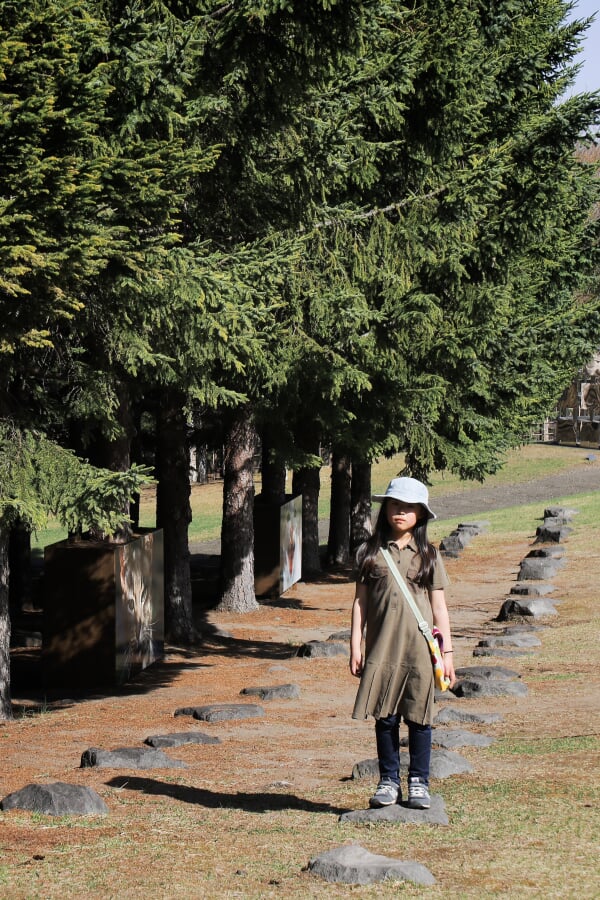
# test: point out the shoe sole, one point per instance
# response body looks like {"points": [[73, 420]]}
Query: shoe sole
{"points": [[418, 805], [377, 804]]}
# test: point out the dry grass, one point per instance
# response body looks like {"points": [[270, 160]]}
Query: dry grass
{"points": [[246, 816]]}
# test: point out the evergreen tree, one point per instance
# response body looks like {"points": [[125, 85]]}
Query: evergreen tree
{"points": [[38, 478]]}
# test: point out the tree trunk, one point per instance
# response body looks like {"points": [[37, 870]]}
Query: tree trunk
{"points": [[360, 505], [5, 703], [237, 530], [272, 472], [307, 482], [19, 562], [115, 454], [174, 514], [338, 544]]}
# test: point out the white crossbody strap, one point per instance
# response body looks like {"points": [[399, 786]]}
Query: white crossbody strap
{"points": [[423, 626]]}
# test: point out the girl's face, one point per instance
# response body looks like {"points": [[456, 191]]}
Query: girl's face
{"points": [[402, 517]]}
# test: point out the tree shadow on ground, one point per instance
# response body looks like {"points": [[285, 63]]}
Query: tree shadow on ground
{"points": [[238, 648], [30, 695], [261, 802]]}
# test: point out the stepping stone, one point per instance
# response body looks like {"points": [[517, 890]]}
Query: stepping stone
{"points": [[501, 653], [533, 606], [441, 696], [340, 635], [354, 865], [444, 763], [398, 812], [461, 537], [523, 628], [564, 512], [549, 552], [58, 799], [518, 641], [498, 673], [453, 739], [322, 649], [274, 692], [552, 534], [454, 543], [539, 568], [555, 521], [475, 527], [129, 758], [222, 712], [451, 715], [483, 687], [532, 590], [180, 738]]}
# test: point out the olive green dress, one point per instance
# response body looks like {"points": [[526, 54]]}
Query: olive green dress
{"points": [[398, 675]]}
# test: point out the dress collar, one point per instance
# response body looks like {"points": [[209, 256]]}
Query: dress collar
{"points": [[411, 545]]}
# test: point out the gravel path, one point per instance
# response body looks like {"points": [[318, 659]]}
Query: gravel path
{"points": [[583, 478]]}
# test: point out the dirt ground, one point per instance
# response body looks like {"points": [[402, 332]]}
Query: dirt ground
{"points": [[308, 746]]}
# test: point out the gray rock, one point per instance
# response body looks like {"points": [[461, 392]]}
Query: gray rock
{"points": [[340, 635], [475, 527], [559, 511], [179, 738], [444, 763], [557, 552], [129, 758], [453, 739], [441, 696], [369, 768], [538, 568], [57, 799], [531, 589], [552, 535], [483, 687], [399, 812], [355, 865], [533, 606], [321, 649], [518, 641], [499, 653], [555, 521], [497, 673], [222, 712], [523, 628], [274, 692], [454, 543], [451, 715]]}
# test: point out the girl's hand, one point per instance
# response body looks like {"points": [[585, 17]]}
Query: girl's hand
{"points": [[356, 663], [449, 669]]}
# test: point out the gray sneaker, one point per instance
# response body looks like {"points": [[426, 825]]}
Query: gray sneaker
{"points": [[385, 795], [418, 794]]}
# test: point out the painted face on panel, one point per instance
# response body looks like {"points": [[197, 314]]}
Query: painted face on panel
{"points": [[402, 517]]}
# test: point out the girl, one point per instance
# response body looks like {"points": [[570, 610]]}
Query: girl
{"points": [[395, 671]]}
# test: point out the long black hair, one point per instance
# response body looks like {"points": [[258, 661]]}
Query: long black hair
{"points": [[382, 533]]}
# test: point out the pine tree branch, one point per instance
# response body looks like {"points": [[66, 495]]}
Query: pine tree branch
{"points": [[382, 210]]}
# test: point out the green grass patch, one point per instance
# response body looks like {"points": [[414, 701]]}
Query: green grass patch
{"points": [[544, 745], [524, 464]]}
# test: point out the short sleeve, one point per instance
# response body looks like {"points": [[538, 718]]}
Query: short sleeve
{"points": [[440, 578]]}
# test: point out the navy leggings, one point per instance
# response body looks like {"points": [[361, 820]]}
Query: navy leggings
{"points": [[387, 734]]}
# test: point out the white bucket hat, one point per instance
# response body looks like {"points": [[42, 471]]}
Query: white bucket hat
{"points": [[409, 490]]}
